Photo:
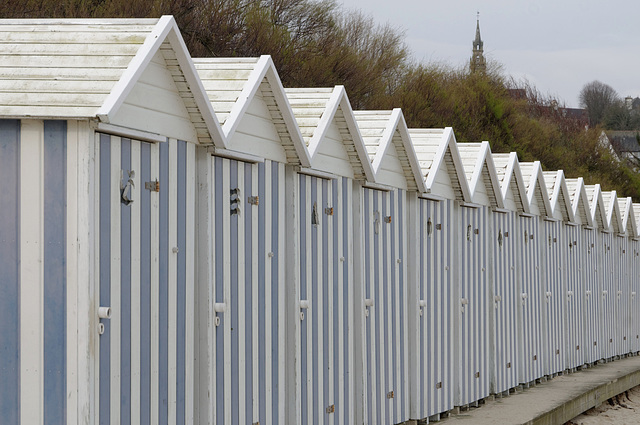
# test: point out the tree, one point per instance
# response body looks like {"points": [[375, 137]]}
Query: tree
{"points": [[596, 97]]}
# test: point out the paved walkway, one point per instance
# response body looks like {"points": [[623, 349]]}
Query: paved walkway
{"points": [[558, 400]]}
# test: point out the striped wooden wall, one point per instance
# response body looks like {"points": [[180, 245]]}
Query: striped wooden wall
{"points": [[145, 266], [553, 309], [608, 290], [592, 296], [248, 330], [474, 370], [506, 301], [33, 261], [532, 352], [385, 293], [431, 342], [574, 296], [325, 355]]}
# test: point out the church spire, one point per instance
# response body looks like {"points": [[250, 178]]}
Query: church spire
{"points": [[478, 62]]}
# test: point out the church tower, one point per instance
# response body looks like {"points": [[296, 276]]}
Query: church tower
{"points": [[478, 62]]}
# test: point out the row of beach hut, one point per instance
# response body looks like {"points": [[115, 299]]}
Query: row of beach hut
{"points": [[184, 240]]}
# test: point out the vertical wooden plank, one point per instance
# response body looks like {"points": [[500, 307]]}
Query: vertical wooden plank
{"points": [[31, 272], [115, 321], [190, 340], [285, 223], [10, 223], [254, 296], [135, 282], [174, 280], [239, 268], [155, 295]]}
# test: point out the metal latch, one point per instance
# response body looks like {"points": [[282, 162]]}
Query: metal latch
{"points": [[477, 374], [331, 408], [387, 219], [390, 395], [153, 186], [328, 211], [439, 385], [253, 200]]}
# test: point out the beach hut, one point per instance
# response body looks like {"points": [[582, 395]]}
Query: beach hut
{"points": [[557, 239], [625, 259], [381, 238], [634, 271], [475, 240], [507, 264], [433, 301], [242, 204], [533, 288], [327, 331], [100, 124], [587, 271]]}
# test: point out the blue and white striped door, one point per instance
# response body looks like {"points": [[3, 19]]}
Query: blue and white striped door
{"points": [[248, 368], [591, 296], [575, 281], [531, 323], [386, 379], [622, 295], [433, 374], [326, 301], [634, 282], [608, 290], [505, 302], [474, 305], [145, 265], [554, 305]]}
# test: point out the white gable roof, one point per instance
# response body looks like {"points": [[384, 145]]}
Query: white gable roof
{"points": [[536, 187], [480, 170], [613, 211], [384, 132], [86, 68], [579, 201], [233, 83], [628, 217], [559, 195], [510, 177], [598, 208], [436, 149], [316, 110]]}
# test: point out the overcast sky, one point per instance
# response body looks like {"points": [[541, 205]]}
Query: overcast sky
{"points": [[558, 45]]}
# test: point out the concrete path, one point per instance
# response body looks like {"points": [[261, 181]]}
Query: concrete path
{"points": [[558, 400]]}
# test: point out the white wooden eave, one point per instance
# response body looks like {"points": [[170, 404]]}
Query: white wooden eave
{"points": [[480, 170], [559, 195], [510, 178], [536, 187], [579, 201]]}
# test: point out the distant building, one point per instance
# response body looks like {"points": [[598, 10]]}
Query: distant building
{"points": [[478, 63], [623, 144]]}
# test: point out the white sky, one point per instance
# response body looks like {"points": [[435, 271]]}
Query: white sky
{"points": [[558, 45]]}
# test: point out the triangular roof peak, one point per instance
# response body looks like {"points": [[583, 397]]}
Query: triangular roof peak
{"points": [[628, 217], [559, 195], [536, 186], [510, 177], [435, 148], [598, 207], [385, 131], [614, 217], [636, 214], [316, 109], [579, 201], [481, 172], [86, 68], [232, 84]]}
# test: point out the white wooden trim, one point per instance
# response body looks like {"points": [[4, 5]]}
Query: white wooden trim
{"points": [[287, 114], [135, 69], [385, 140], [357, 137], [154, 279], [190, 379], [195, 83], [410, 152], [315, 173], [130, 133], [31, 272], [73, 326], [230, 154], [245, 97], [325, 120]]}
